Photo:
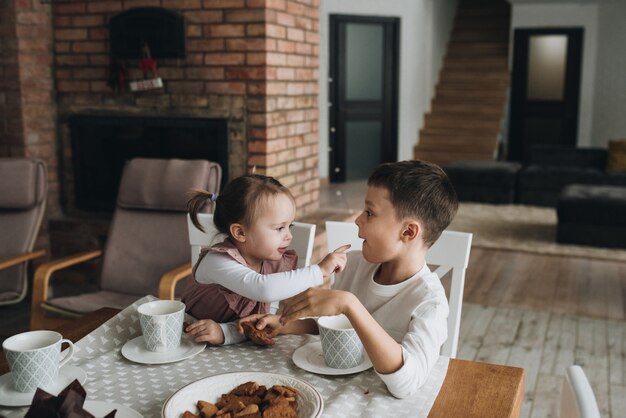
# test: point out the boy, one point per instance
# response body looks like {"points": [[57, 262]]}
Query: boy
{"points": [[396, 305]]}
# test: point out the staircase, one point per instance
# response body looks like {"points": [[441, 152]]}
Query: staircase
{"points": [[466, 112]]}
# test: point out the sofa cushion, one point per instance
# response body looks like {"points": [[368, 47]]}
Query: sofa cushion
{"points": [[617, 156], [592, 205], [554, 178], [569, 157]]}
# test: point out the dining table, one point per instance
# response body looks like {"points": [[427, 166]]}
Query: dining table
{"points": [[468, 388]]}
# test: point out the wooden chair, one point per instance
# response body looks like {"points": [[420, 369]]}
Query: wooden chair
{"points": [[146, 250], [302, 242], [577, 398], [450, 253], [23, 188]]}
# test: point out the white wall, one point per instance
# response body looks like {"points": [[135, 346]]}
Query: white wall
{"points": [[568, 14], [425, 27], [609, 119]]}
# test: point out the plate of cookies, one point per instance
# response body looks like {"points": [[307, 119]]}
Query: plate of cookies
{"points": [[245, 394]]}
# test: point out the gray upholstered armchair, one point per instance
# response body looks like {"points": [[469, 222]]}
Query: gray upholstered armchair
{"points": [[147, 250], [23, 186]]}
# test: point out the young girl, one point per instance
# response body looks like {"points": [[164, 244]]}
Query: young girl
{"points": [[252, 267]]}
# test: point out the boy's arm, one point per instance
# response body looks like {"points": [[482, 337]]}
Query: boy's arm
{"points": [[384, 352]]}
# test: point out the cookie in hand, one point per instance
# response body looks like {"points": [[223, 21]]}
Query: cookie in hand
{"points": [[257, 336]]}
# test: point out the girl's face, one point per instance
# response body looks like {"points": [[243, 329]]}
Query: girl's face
{"points": [[270, 235], [378, 227]]}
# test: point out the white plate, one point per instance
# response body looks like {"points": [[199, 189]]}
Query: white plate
{"points": [[100, 409], [10, 397], [310, 402], [310, 358], [135, 350]]}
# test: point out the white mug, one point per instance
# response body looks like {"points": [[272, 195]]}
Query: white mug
{"points": [[162, 324], [34, 358], [341, 344]]}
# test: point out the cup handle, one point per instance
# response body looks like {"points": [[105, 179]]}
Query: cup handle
{"points": [[70, 352]]}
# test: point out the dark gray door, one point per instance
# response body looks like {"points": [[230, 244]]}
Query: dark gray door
{"points": [[363, 91], [545, 89]]}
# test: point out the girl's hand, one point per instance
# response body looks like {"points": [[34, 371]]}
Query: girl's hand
{"points": [[205, 331], [335, 261], [316, 302]]}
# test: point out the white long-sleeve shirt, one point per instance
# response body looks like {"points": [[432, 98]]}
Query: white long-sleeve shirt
{"points": [[414, 313], [222, 269]]}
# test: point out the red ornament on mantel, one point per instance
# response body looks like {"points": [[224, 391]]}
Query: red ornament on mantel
{"points": [[148, 67]]}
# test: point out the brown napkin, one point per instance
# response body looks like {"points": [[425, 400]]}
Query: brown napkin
{"points": [[68, 404]]}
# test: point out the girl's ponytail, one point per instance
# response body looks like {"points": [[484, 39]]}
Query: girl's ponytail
{"points": [[196, 202]]}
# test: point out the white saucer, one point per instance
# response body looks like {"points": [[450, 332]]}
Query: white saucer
{"points": [[310, 358], [100, 409], [10, 397], [135, 350]]}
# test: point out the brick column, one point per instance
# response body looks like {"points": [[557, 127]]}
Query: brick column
{"points": [[27, 109], [11, 137], [283, 105]]}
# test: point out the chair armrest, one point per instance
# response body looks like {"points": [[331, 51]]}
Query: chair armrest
{"points": [[43, 273], [5, 264], [167, 284]]}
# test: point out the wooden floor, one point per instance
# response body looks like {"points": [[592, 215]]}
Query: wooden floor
{"points": [[544, 313], [569, 285]]}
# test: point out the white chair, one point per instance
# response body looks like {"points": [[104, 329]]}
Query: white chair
{"points": [[449, 253], [302, 242], [577, 399]]}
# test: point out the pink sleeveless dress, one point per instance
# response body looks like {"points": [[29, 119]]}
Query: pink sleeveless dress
{"points": [[216, 302]]}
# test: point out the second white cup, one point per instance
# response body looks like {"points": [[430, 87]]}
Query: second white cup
{"points": [[162, 324], [340, 343]]}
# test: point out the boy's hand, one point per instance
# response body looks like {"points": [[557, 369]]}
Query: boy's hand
{"points": [[205, 331], [315, 302], [335, 261]]}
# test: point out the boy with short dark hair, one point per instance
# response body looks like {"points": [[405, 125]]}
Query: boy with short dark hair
{"points": [[393, 301]]}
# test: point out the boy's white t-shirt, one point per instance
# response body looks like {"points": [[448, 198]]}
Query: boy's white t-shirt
{"points": [[414, 313]]}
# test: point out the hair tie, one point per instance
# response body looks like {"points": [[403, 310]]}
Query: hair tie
{"points": [[213, 197]]}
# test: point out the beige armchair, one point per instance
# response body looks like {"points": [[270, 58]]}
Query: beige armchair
{"points": [[147, 248], [23, 187]]}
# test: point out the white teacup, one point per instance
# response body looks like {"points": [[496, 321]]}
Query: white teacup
{"points": [[162, 324], [34, 358], [340, 343]]}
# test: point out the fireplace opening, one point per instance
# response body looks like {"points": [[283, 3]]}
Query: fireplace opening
{"points": [[102, 144]]}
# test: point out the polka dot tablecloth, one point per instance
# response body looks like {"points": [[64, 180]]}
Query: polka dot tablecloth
{"points": [[145, 388]]}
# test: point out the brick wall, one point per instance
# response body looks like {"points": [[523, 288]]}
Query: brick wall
{"points": [[27, 109], [253, 62]]}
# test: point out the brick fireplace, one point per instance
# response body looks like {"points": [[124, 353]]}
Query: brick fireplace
{"points": [[252, 63]]}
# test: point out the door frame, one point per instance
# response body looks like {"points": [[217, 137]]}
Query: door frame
{"points": [[571, 90], [336, 121]]}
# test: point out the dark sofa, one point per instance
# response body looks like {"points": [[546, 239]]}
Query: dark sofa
{"points": [[551, 168]]}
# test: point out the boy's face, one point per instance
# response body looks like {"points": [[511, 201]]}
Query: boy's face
{"points": [[378, 227]]}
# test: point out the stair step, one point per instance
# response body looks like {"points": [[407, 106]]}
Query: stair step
{"points": [[478, 35], [494, 96], [495, 63], [459, 138], [455, 130], [470, 76], [478, 49], [498, 89], [476, 83], [442, 158], [446, 120], [465, 148], [453, 102], [491, 110]]}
